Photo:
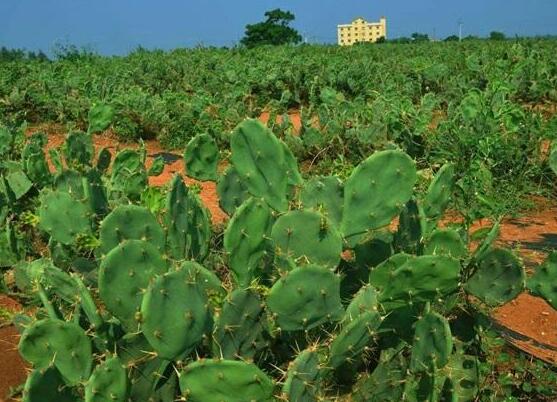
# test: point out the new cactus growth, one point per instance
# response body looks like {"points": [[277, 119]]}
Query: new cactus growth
{"points": [[375, 193], [306, 298], [307, 237], [62, 344], [247, 239], [225, 380], [124, 275], [258, 157], [186, 315], [201, 158]]}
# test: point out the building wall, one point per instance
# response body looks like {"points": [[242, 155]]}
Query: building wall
{"points": [[361, 31]]}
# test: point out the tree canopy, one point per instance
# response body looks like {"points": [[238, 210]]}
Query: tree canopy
{"points": [[275, 30]]}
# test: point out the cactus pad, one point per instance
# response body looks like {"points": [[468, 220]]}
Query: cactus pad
{"points": [[326, 195], [433, 343], [201, 158], [232, 191], [108, 383], [302, 377]]}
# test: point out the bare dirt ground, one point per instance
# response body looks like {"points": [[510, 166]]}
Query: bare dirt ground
{"points": [[531, 323]]}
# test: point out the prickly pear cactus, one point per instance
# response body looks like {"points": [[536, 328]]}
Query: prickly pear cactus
{"points": [[129, 176], [498, 279], [129, 222], [66, 226], [47, 385], [124, 274], [376, 192], [438, 195], [543, 282], [225, 380], [62, 344], [307, 237], [258, 157], [240, 326], [186, 319], [187, 222], [247, 239], [305, 298], [232, 191], [109, 382], [302, 378], [201, 158], [326, 195], [446, 242], [433, 343], [78, 149]]}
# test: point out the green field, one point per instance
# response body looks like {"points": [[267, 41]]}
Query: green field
{"points": [[348, 268]]}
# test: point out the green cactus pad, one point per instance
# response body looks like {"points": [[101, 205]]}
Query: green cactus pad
{"points": [[63, 217], [380, 276], [292, 171], [124, 275], [103, 160], [421, 279], [247, 239], [386, 382], [438, 195], [186, 315], [46, 385], [544, 281], [56, 160], [100, 117], [157, 167], [232, 191], [258, 157], [187, 223], [129, 177], [354, 338], [78, 149], [239, 327], [326, 195], [207, 280], [302, 377], [462, 378], [225, 380], [129, 222], [308, 237], [63, 344], [446, 242], [108, 383], [34, 161], [18, 183], [201, 158], [376, 192], [409, 235], [71, 182], [498, 279], [364, 301], [433, 343], [306, 298]]}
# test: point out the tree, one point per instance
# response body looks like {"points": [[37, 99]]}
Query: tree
{"points": [[452, 38], [274, 31], [494, 35], [419, 37]]}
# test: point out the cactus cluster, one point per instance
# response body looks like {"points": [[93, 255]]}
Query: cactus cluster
{"points": [[306, 294]]}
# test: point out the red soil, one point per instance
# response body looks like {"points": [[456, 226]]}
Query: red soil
{"points": [[12, 368]]}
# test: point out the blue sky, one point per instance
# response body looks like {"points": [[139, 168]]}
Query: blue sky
{"points": [[118, 26]]}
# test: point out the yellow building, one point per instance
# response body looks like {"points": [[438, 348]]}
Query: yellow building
{"points": [[362, 31]]}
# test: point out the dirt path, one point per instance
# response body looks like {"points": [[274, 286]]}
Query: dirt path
{"points": [[12, 368]]}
